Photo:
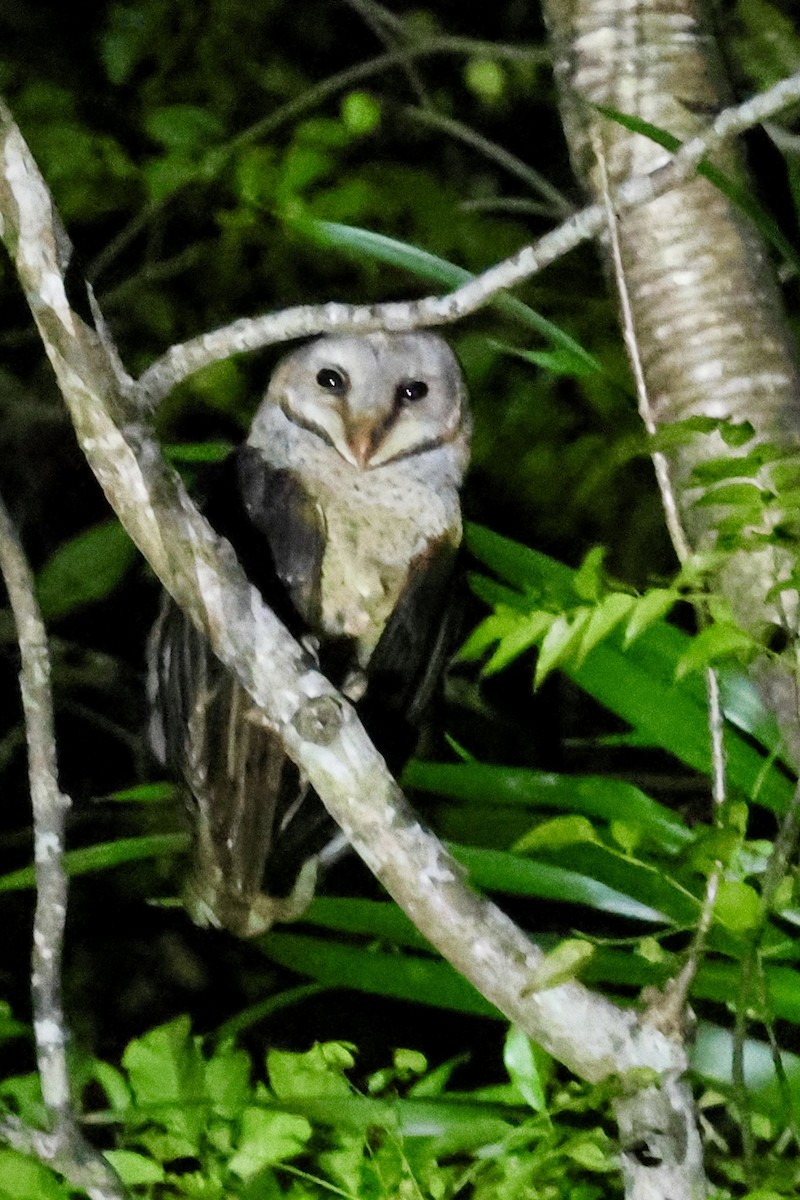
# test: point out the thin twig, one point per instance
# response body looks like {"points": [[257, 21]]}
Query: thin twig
{"points": [[667, 1008], [558, 204], [64, 1146]]}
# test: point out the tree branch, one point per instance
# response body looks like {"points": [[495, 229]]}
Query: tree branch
{"points": [[254, 333], [64, 1147]]}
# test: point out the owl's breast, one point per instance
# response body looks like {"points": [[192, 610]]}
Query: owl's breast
{"points": [[373, 542]]}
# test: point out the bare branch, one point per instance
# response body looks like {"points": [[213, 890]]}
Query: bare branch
{"points": [[64, 1147], [253, 333]]}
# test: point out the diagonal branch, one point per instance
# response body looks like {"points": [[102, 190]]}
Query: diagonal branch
{"points": [[253, 333]]}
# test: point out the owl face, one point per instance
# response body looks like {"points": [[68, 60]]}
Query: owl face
{"points": [[374, 398]]}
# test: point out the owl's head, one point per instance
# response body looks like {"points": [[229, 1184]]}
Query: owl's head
{"points": [[375, 398]]}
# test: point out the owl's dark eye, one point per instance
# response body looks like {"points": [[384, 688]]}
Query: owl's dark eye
{"points": [[332, 380], [414, 389]]}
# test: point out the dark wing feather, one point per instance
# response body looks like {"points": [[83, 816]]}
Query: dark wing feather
{"points": [[254, 821], [407, 662]]}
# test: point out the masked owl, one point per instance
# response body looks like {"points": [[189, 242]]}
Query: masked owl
{"points": [[343, 507]]}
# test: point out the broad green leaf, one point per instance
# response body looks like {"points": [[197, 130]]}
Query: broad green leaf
{"points": [[737, 905], [165, 1068], [266, 1138], [365, 244], [596, 796], [227, 1081], [103, 857], [185, 127], [84, 570], [319, 1072], [134, 1168], [733, 493], [418, 978], [720, 640], [368, 918], [22, 1178], [499, 871]]}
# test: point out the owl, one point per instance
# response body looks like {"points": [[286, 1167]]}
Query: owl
{"points": [[343, 508]]}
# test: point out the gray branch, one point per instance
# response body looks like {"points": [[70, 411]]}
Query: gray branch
{"points": [[63, 1147], [254, 333]]}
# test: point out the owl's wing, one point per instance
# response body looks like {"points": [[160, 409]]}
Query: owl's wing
{"points": [[244, 792], [255, 823], [407, 662]]}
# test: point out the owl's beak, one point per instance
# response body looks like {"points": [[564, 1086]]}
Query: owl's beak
{"points": [[363, 439]]}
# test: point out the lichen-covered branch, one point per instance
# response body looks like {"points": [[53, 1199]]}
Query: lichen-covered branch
{"points": [[63, 1146], [320, 729]]}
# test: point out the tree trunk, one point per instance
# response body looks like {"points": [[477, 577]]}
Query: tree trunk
{"points": [[705, 310]]}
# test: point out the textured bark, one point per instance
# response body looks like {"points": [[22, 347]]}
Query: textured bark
{"points": [[706, 312]]}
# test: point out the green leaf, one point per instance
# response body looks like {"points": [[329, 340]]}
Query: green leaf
{"points": [[22, 1178], [733, 493], [486, 78], [522, 633], [416, 978], [266, 1138], [165, 1068], [363, 243], [737, 906], [185, 127], [720, 640], [360, 113], [639, 683], [562, 637], [742, 198], [84, 570], [561, 831], [596, 796], [604, 618], [500, 871], [589, 581], [134, 1168], [102, 857], [560, 965], [520, 1059], [198, 452], [227, 1081], [319, 1072], [650, 608]]}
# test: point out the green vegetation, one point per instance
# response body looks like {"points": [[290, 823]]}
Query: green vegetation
{"points": [[222, 160]]}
